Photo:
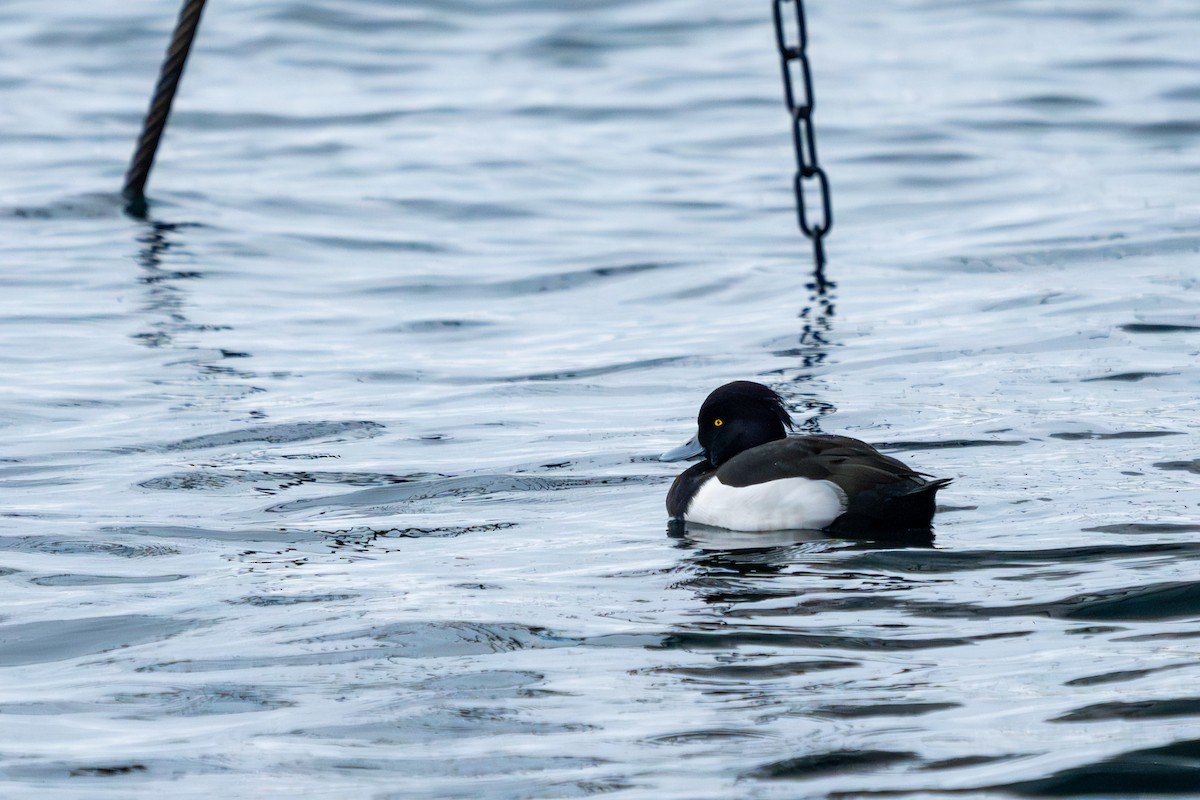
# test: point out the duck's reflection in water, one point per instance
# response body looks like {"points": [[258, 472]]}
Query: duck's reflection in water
{"points": [[739, 568], [707, 537]]}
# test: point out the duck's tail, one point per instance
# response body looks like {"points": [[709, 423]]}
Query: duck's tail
{"points": [[900, 508]]}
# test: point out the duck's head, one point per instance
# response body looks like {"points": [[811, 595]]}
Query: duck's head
{"points": [[735, 417]]}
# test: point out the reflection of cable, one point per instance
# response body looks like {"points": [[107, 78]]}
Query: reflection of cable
{"points": [[162, 296], [794, 58], [160, 107]]}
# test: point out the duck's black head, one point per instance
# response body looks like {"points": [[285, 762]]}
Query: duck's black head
{"points": [[738, 416]]}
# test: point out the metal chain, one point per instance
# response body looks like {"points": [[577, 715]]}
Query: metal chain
{"points": [[796, 72]]}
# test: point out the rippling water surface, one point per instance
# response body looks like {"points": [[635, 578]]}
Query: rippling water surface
{"points": [[336, 476]]}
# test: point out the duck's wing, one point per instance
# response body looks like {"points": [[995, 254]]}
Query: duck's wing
{"points": [[852, 465]]}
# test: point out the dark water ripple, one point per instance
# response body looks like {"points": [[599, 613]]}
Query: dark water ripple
{"points": [[108, 770], [1164, 601], [456, 487], [1147, 527], [558, 282], [202, 701], [277, 434], [240, 480], [1130, 377], [1192, 466], [798, 640], [948, 561], [446, 724], [1173, 769], [58, 640], [1140, 709], [101, 580], [1074, 436], [751, 672], [881, 710], [830, 762], [291, 600], [1124, 675], [1157, 327], [55, 545]]}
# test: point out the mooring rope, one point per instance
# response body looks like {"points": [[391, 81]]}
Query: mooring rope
{"points": [[160, 107]]}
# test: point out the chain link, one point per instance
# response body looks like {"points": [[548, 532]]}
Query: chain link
{"points": [[798, 75]]}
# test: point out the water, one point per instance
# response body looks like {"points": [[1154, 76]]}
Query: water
{"points": [[336, 478]]}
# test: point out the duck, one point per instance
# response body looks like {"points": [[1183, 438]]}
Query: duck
{"points": [[754, 476]]}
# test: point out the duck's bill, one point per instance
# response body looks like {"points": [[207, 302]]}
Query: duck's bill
{"points": [[691, 449]]}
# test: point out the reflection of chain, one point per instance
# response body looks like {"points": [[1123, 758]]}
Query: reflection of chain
{"points": [[796, 72]]}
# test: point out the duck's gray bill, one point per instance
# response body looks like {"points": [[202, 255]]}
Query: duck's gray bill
{"points": [[691, 449]]}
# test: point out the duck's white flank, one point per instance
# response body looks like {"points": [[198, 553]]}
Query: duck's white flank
{"points": [[771, 506]]}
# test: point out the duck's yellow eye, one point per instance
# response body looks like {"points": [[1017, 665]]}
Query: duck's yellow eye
{"points": [[718, 423]]}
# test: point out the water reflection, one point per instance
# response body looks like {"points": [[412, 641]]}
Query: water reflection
{"points": [[746, 567], [812, 351], [691, 534], [165, 299], [168, 325]]}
